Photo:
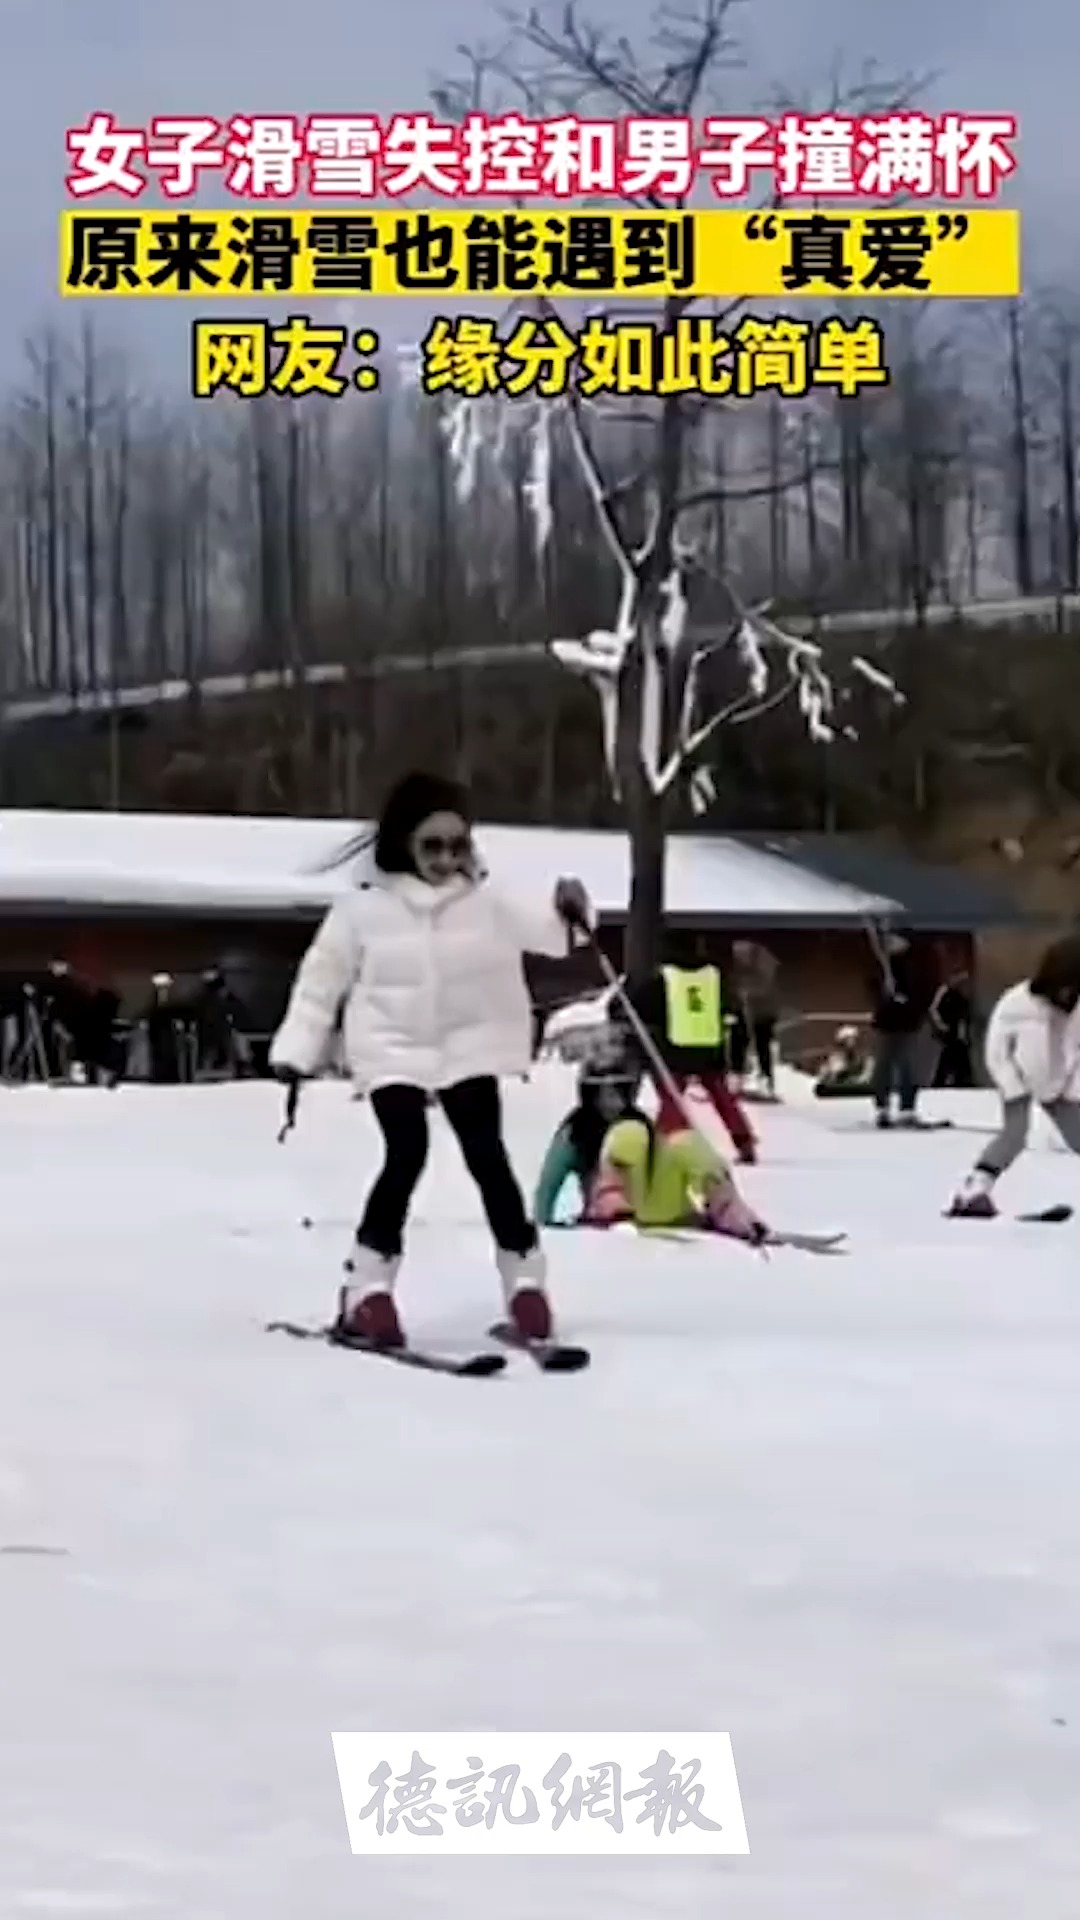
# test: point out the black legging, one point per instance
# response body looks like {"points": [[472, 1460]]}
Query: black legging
{"points": [[474, 1110], [954, 1064]]}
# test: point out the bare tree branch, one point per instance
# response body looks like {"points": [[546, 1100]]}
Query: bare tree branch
{"points": [[713, 496], [599, 491]]}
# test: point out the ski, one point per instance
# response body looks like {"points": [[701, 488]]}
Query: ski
{"points": [[808, 1242], [1043, 1217], [801, 1242], [551, 1356], [476, 1366]]}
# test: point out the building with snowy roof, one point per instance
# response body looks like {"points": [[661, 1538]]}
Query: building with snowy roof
{"points": [[123, 896]]}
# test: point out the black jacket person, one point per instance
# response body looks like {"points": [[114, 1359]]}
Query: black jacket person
{"points": [[900, 1003], [952, 1016], [683, 1010]]}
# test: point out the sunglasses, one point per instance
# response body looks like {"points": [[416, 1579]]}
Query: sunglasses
{"points": [[434, 846]]}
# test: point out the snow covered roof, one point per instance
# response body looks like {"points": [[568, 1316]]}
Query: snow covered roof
{"points": [[59, 863], [934, 898]]}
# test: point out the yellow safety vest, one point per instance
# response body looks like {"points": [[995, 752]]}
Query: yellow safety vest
{"points": [[694, 1008]]}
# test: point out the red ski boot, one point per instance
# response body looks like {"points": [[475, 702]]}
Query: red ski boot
{"points": [[975, 1200], [366, 1309], [527, 1305]]}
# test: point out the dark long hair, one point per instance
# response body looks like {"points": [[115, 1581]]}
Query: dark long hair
{"points": [[588, 1128], [410, 801], [1057, 977]]}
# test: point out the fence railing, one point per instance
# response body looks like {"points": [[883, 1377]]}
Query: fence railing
{"points": [[1048, 613]]}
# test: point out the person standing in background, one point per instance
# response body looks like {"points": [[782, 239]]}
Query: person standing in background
{"points": [[899, 1013], [215, 1017], [682, 1010], [755, 974], [952, 1016], [163, 1026]]}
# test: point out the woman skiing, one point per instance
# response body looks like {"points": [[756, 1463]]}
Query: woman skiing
{"points": [[1033, 1058], [427, 959]]}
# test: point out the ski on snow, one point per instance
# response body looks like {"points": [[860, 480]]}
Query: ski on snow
{"points": [[799, 1242], [475, 1366], [808, 1242], [551, 1356], [1044, 1217]]}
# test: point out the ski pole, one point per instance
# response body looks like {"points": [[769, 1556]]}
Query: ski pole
{"points": [[292, 1106], [654, 1058]]}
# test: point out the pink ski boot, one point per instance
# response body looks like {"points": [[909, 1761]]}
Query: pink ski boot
{"points": [[728, 1213], [606, 1205]]}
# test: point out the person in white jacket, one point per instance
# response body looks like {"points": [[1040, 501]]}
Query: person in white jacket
{"points": [[426, 962], [1033, 1059]]}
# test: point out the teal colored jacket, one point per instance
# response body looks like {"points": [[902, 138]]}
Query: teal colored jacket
{"points": [[560, 1165]]}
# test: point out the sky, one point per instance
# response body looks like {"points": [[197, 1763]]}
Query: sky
{"points": [[65, 59]]}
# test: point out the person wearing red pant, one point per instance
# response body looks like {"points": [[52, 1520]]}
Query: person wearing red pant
{"points": [[682, 1010]]}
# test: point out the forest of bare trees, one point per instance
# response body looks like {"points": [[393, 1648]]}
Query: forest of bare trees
{"points": [[142, 541]]}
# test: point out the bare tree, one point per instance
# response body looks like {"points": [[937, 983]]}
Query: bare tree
{"points": [[1020, 453], [657, 516], [1053, 336]]}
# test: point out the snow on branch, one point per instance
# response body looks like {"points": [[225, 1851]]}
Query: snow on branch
{"points": [[877, 679], [675, 712], [600, 659], [803, 662], [777, 666]]}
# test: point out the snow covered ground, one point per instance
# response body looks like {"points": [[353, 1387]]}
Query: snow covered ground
{"points": [[826, 1506]]}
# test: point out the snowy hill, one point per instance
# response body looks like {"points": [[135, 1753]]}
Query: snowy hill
{"points": [[825, 1506]]}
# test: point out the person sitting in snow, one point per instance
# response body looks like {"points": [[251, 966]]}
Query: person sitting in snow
{"points": [[607, 1088], [657, 1180], [628, 1169], [847, 1069], [1033, 1059]]}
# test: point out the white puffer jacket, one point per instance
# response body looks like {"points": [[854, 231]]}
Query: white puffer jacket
{"points": [[1032, 1049], [432, 983]]}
